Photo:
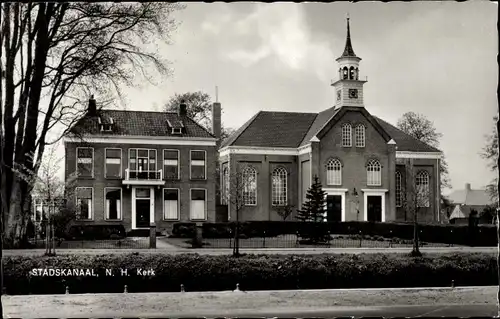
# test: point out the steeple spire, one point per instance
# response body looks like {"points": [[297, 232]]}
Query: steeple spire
{"points": [[348, 51]]}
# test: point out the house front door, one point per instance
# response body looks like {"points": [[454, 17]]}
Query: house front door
{"points": [[142, 207], [333, 208], [374, 208]]}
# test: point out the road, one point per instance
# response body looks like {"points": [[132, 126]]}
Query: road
{"points": [[445, 310], [282, 251]]}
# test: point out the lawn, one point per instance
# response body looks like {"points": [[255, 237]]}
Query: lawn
{"points": [[290, 241]]}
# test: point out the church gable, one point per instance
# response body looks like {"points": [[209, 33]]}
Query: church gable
{"points": [[356, 122]]}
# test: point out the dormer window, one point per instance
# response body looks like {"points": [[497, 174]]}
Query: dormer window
{"points": [[176, 130], [105, 124], [175, 127]]}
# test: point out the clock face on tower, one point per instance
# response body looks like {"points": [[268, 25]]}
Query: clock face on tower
{"points": [[353, 93], [339, 95]]}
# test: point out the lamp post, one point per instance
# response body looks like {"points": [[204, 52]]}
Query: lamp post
{"points": [[355, 194]]}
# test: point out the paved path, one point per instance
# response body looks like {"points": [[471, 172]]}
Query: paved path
{"points": [[171, 250]]}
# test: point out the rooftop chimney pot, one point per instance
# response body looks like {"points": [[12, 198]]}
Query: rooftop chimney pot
{"points": [[467, 186], [92, 109], [182, 108]]}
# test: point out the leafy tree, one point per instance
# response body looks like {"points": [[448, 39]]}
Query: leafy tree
{"points": [[421, 128], [313, 210], [199, 108], [490, 153], [52, 56]]}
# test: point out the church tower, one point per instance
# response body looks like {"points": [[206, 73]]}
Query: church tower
{"points": [[348, 87]]}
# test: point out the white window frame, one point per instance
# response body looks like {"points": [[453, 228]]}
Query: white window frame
{"points": [[91, 202], [423, 189], [373, 176], [136, 157], [399, 189], [225, 184], [281, 194], [346, 135], [178, 163], [106, 157], [178, 204], [359, 135], [331, 177], [76, 169], [246, 191], [191, 203], [106, 212], [191, 164]]}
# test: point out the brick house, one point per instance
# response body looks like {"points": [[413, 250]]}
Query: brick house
{"points": [[135, 168], [364, 163]]}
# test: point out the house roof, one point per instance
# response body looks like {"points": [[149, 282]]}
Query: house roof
{"points": [[291, 129], [471, 197], [460, 212], [139, 123]]}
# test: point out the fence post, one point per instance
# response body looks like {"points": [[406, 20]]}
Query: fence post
{"points": [[152, 235], [198, 240], [360, 238], [230, 238], [264, 243]]}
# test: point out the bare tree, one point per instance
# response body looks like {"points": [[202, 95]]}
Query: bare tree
{"points": [[415, 195], [240, 188], [285, 211], [52, 56], [52, 190]]}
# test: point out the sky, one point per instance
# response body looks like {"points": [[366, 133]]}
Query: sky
{"points": [[433, 58]]}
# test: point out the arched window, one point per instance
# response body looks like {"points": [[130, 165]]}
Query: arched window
{"points": [[279, 187], [357, 74], [250, 186], [422, 188], [360, 135], [374, 173], [334, 172], [345, 75], [225, 185], [351, 73], [346, 135], [399, 189]]}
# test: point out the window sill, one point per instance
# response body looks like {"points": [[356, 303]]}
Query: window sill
{"points": [[197, 179], [113, 220], [83, 220], [170, 220], [114, 177], [85, 177]]}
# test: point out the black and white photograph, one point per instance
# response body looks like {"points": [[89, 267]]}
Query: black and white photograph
{"points": [[249, 159]]}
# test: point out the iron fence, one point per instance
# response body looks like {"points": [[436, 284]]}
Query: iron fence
{"points": [[296, 241]]}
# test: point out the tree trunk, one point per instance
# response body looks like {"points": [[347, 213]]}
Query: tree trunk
{"points": [[236, 250]]}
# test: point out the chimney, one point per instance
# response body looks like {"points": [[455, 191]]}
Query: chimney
{"points": [[467, 186], [216, 121], [92, 110], [182, 108]]}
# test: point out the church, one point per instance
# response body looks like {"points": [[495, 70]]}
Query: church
{"points": [[369, 169]]}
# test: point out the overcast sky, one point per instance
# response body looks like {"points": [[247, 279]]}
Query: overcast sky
{"points": [[434, 58]]}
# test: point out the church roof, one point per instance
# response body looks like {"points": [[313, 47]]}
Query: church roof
{"points": [[292, 130]]}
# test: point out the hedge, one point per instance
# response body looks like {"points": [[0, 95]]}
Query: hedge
{"points": [[482, 235], [95, 231], [252, 272]]}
